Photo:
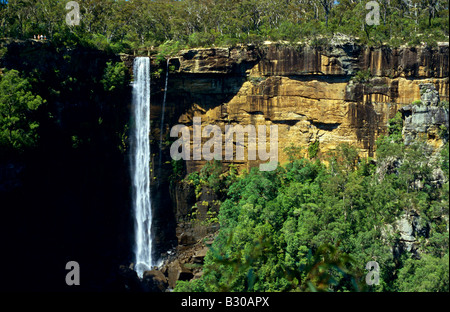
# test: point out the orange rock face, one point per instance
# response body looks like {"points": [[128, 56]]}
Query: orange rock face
{"points": [[309, 93]]}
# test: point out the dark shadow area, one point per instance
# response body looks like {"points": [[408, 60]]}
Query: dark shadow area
{"points": [[184, 92], [365, 120], [322, 78], [72, 202], [325, 126]]}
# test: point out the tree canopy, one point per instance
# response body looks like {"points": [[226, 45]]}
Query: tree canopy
{"points": [[17, 105], [122, 25], [308, 226]]}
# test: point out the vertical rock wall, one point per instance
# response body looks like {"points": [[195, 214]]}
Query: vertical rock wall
{"points": [[333, 94]]}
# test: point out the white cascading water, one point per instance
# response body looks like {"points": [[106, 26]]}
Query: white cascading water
{"points": [[140, 165]]}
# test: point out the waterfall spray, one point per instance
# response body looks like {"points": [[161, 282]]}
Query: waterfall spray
{"points": [[140, 165]]}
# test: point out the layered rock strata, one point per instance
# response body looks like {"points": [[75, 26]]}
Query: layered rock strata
{"points": [[334, 94]]}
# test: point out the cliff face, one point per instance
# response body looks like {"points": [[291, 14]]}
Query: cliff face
{"points": [[335, 94], [331, 94], [425, 118]]}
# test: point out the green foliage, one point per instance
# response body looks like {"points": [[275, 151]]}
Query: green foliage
{"points": [[121, 26], [395, 126], [313, 149], [445, 158], [123, 137], [18, 126], [115, 76], [3, 51], [428, 274], [392, 144], [363, 76], [178, 170], [256, 80], [417, 102], [329, 268], [200, 39], [194, 179], [192, 286], [444, 104], [311, 227], [319, 42], [167, 49], [443, 132], [293, 152], [212, 175]]}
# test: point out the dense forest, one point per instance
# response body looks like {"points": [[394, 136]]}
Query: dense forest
{"points": [[123, 25], [310, 225]]}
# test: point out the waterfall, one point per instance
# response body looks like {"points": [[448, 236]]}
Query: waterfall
{"points": [[162, 118], [140, 165]]}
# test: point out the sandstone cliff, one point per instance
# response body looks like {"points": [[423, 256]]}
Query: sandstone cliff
{"points": [[334, 94]]}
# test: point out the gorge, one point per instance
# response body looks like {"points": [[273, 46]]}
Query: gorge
{"points": [[341, 93], [319, 96], [170, 146]]}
